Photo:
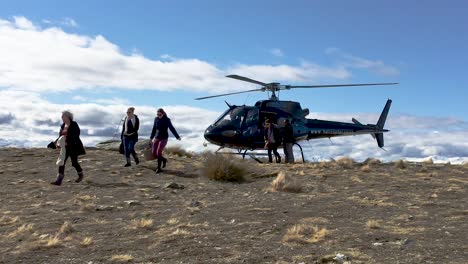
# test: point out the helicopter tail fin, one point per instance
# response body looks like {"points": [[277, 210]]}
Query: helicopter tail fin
{"points": [[380, 124]]}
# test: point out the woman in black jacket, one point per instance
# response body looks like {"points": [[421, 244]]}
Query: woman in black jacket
{"points": [[159, 137], [73, 146], [129, 135]]}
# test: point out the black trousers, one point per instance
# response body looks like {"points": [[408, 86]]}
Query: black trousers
{"points": [[273, 148], [74, 161]]}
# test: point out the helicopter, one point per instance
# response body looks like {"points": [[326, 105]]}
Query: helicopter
{"points": [[241, 127]]}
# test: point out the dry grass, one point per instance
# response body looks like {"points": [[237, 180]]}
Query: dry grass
{"points": [[303, 233], [172, 221], [122, 258], [429, 161], [8, 220], [221, 168], [285, 183], [53, 242], [373, 224], [345, 162], [142, 223], [180, 232], [400, 164], [25, 228], [372, 161], [87, 241], [178, 151], [366, 168], [66, 228]]}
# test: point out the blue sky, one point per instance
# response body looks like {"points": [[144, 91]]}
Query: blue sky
{"points": [[423, 46]]}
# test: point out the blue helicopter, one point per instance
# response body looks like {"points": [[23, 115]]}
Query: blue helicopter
{"points": [[241, 127]]}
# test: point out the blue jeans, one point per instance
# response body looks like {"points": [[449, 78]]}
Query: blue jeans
{"points": [[129, 147]]}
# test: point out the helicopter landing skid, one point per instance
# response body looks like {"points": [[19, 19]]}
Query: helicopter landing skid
{"points": [[253, 155]]}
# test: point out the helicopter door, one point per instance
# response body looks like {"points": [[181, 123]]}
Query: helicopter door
{"points": [[251, 125]]}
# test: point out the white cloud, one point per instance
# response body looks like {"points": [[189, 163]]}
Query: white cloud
{"points": [[277, 52], [352, 61], [29, 120], [69, 22], [51, 59]]}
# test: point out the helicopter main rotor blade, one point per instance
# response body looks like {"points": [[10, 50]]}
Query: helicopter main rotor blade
{"points": [[335, 85], [206, 97], [245, 79]]}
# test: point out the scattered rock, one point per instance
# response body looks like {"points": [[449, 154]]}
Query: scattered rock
{"points": [[132, 202], [173, 185], [105, 208], [195, 203]]}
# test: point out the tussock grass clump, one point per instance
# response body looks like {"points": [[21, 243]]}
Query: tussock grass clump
{"points": [[400, 164], [178, 151], [221, 168], [373, 224], [25, 228], [8, 220], [87, 241], [366, 168], [122, 258], [53, 242], [172, 221], [345, 162], [285, 183], [429, 161], [302, 233], [372, 161], [142, 223], [66, 228]]}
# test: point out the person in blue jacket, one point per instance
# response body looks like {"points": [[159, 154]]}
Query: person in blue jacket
{"points": [[160, 135]]}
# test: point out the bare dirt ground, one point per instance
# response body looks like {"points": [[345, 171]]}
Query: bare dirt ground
{"points": [[369, 213]]}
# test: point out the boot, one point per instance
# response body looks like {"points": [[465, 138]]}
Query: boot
{"points": [[80, 177], [135, 157], [128, 164], [58, 182], [158, 170], [164, 162], [278, 159]]}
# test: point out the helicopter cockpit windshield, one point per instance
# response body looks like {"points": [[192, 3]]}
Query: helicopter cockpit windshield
{"points": [[232, 117]]}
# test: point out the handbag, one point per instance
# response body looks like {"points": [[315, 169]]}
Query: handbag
{"points": [[148, 154], [121, 148]]}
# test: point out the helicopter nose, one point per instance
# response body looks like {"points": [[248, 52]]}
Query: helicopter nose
{"points": [[210, 135]]}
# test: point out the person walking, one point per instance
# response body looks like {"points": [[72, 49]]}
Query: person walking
{"points": [[129, 135], [288, 141], [272, 141], [70, 136], [159, 137]]}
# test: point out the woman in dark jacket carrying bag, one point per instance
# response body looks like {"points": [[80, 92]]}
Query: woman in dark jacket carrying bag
{"points": [[129, 135], [160, 135], [73, 146]]}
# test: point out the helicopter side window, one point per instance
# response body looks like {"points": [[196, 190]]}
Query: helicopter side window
{"points": [[252, 117]]}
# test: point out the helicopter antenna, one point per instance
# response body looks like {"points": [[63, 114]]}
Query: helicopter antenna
{"points": [[277, 87]]}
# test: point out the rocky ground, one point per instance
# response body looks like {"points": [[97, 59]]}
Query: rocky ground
{"points": [[345, 212]]}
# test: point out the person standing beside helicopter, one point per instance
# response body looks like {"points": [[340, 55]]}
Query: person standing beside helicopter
{"points": [[159, 137], [272, 141], [288, 139], [129, 135]]}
